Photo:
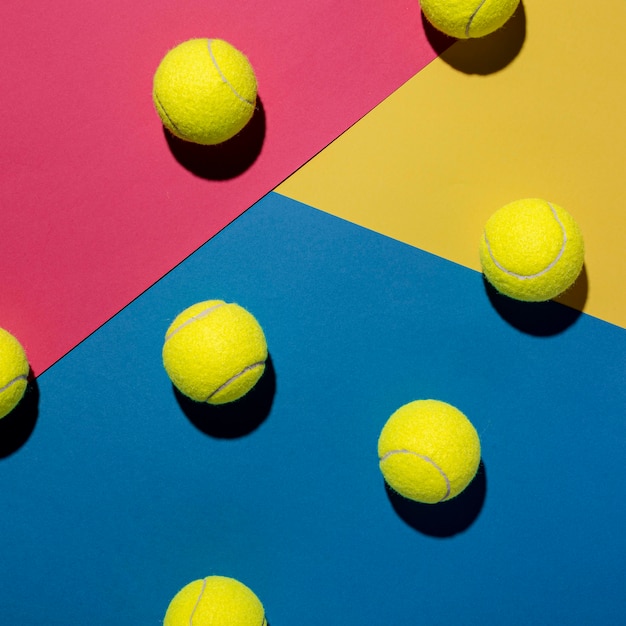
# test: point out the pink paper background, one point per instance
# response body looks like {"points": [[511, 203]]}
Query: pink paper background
{"points": [[96, 205]]}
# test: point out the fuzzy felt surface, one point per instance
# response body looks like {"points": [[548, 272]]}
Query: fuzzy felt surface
{"points": [[13, 372], [464, 19], [532, 250], [205, 91], [429, 451], [214, 352], [215, 601]]}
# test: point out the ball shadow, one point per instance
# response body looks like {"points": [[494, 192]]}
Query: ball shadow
{"points": [[542, 319], [576, 296], [481, 55], [445, 519], [17, 427], [235, 419], [225, 160]]}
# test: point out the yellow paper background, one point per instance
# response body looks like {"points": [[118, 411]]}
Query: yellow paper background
{"points": [[535, 110]]}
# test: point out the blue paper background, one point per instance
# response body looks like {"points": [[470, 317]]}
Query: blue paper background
{"points": [[124, 492]]}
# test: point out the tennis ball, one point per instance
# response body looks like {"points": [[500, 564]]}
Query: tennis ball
{"points": [[215, 601], [464, 19], [13, 372], [214, 352], [204, 91], [531, 250], [428, 451]]}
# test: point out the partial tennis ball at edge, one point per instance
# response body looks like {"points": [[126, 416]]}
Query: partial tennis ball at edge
{"points": [[214, 352], [215, 601], [466, 19], [531, 250], [14, 371], [205, 91], [428, 451]]}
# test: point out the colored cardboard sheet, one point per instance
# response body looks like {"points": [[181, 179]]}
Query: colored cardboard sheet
{"points": [[97, 203], [534, 110], [123, 492]]}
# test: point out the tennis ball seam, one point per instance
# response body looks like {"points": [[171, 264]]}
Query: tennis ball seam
{"points": [[223, 77], [424, 458], [232, 379], [164, 111], [198, 599], [546, 269], [12, 382], [214, 600], [472, 16], [220, 354], [194, 318]]}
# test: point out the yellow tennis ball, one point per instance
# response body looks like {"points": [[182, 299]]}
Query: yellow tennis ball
{"points": [[205, 91], [464, 19], [428, 451], [215, 601], [214, 352], [531, 250], [13, 372]]}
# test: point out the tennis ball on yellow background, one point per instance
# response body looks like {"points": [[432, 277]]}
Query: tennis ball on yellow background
{"points": [[205, 91], [14, 371], [215, 601], [214, 352], [465, 19], [531, 250], [428, 451]]}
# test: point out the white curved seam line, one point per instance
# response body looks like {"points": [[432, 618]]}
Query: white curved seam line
{"points": [[472, 16], [225, 80], [198, 316], [234, 378], [12, 382], [195, 606], [543, 271], [424, 458], [169, 119]]}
